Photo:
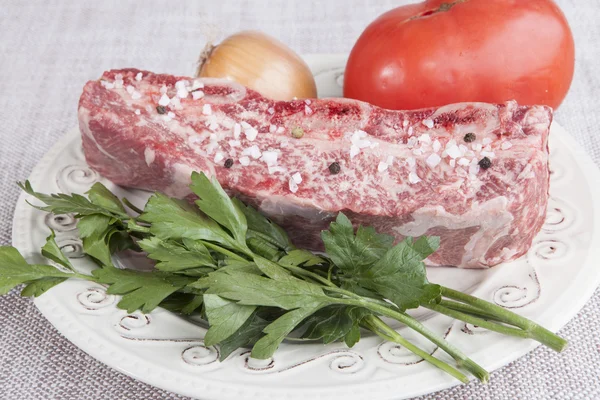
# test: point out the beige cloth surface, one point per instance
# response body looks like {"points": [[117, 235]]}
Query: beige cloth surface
{"points": [[49, 49]]}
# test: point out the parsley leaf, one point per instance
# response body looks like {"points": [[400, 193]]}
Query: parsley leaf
{"points": [[225, 318], [176, 257], [140, 290], [247, 335], [333, 323], [63, 203], [176, 219], [14, 270], [215, 203], [53, 252], [260, 226], [250, 289], [352, 253], [277, 330], [102, 197], [301, 257], [94, 224]]}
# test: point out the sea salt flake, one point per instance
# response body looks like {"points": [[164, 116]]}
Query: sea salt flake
{"points": [[433, 160], [390, 160], [276, 168], [463, 161], [296, 177], [245, 161], [425, 138], [412, 142], [405, 123], [489, 154], [130, 89], [477, 147], [270, 158], [308, 110], [280, 130], [428, 123], [206, 109], [171, 114], [271, 110], [453, 151], [292, 185], [410, 131], [237, 130], [163, 89], [411, 162], [252, 151], [506, 145], [413, 177], [139, 76], [198, 94], [234, 143], [137, 112], [245, 125], [436, 146], [354, 151], [164, 100], [486, 141], [219, 157], [251, 134], [382, 166], [136, 95], [418, 152], [272, 128], [452, 163]]}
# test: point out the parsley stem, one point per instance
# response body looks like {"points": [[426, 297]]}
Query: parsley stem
{"points": [[492, 326], [132, 206], [417, 326], [468, 309], [379, 327], [536, 331], [222, 250]]}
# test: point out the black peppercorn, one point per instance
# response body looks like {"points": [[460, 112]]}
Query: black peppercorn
{"points": [[335, 168], [485, 163], [229, 163], [470, 137], [161, 109]]}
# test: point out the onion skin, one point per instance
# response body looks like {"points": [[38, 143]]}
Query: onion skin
{"points": [[261, 63]]}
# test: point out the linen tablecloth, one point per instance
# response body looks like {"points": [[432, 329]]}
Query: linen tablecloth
{"points": [[49, 49]]}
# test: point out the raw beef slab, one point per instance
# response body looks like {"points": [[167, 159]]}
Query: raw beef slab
{"points": [[406, 173]]}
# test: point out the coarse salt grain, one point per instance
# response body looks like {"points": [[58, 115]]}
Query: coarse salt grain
{"points": [[163, 89], [164, 100], [181, 84], [213, 137], [436, 145], [418, 152], [411, 142], [271, 110], [245, 161], [137, 112], [283, 144], [276, 168], [136, 95], [292, 185], [390, 160], [198, 94], [410, 131], [130, 89], [206, 109], [453, 151], [296, 177], [362, 143], [463, 149], [182, 93], [252, 151], [280, 130], [474, 168], [251, 134], [272, 128], [307, 101], [506, 145], [213, 126], [488, 148], [452, 163], [354, 150], [373, 145], [175, 102], [433, 160], [463, 161], [489, 154], [237, 130], [413, 177], [428, 123], [245, 125], [425, 138], [477, 147], [219, 157], [405, 123], [486, 141], [197, 85], [234, 143], [107, 85], [270, 158], [171, 114], [308, 110], [382, 166], [139, 76], [411, 162]]}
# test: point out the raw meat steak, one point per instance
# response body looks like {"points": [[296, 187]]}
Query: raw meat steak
{"points": [[407, 173]]}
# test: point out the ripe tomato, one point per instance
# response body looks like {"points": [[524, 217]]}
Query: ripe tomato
{"points": [[436, 53]]}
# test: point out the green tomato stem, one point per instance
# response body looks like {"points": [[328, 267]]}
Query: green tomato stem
{"points": [[383, 330], [536, 331]]}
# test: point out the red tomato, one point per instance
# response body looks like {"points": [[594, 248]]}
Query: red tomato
{"points": [[436, 53]]}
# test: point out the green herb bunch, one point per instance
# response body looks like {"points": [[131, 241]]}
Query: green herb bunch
{"points": [[226, 261]]}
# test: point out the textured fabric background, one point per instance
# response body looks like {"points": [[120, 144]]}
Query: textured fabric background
{"points": [[49, 49]]}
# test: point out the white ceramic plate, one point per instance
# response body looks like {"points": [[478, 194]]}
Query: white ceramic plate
{"points": [[550, 284]]}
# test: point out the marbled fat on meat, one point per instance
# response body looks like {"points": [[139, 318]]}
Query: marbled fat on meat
{"points": [[387, 178]]}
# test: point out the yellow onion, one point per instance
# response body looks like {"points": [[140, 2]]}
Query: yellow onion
{"points": [[261, 63]]}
